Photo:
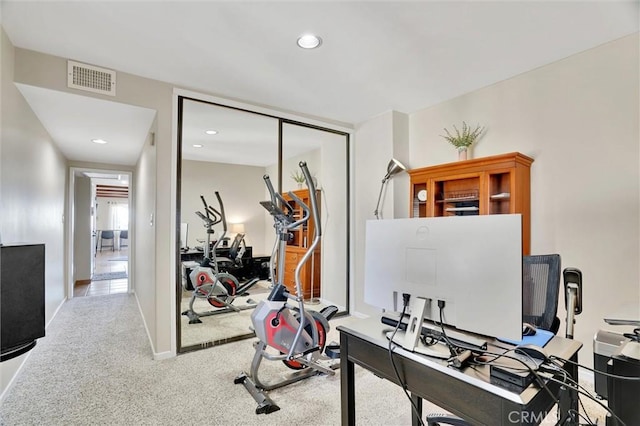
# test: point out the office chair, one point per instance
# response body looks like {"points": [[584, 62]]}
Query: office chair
{"points": [[108, 236], [540, 294], [124, 238], [236, 251], [541, 291]]}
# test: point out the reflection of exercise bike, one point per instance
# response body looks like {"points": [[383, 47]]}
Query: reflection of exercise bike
{"points": [[219, 288], [288, 333]]}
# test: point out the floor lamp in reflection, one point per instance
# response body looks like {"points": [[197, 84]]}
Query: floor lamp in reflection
{"points": [[393, 168]]}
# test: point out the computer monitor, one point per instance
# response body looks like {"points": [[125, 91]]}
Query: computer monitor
{"points": [[472, 263], [184, 236]]}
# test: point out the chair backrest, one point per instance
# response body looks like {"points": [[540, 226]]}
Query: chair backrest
{"points": [[106, 235], [124, 234], [541, 291], [235, 247]]}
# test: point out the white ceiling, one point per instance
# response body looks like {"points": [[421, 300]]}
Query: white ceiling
{"points": [[73, 121], [376, 55], [243, 137]]}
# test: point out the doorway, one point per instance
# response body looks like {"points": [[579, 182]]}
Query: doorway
{"points": [[100, 232]]}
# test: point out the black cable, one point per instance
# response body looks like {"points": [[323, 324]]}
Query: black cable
{"points": [[577, 414], [578, 386], [631, 378], [584, 410], [588, 395], [575, 383], [451, 346], [403, 385], [635, 336]]}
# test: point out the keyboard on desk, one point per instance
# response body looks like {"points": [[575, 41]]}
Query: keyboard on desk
{"points": [[432, 331]]}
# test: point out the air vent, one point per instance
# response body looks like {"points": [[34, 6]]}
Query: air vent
{"points": [[90, 78]]}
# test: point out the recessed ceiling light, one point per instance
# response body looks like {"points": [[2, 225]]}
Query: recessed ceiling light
{"points": [[211, 132], [100, 141], [309, 41], [197, 145]]}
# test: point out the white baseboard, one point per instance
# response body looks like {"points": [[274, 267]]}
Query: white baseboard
{"points": [[144, 322], [156, 355], [55, 313]]}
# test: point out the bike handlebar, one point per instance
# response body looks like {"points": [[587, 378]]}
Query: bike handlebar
{"points": [[315, 212], [277, 199]]}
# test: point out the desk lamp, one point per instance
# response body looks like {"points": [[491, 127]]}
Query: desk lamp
{"points": [[237, 228], [393, 168]]}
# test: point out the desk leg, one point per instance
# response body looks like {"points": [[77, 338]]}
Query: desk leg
{"points": [[347, 385], [416, 417], [569, 397]]}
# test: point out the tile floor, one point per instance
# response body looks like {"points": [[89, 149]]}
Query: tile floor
{"points": [[106, 261]]}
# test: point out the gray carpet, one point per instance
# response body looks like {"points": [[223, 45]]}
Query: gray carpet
{"points": [[95, 367]]}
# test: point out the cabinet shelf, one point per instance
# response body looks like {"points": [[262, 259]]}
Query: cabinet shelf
{"points": [[457, 200], [462, 209], [501, 196], [498, 184]]}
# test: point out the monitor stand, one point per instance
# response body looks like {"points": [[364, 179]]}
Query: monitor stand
{"points": [[410, 338]]}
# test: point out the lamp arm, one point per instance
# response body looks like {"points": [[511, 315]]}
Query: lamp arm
{"points": [[376, 213]]}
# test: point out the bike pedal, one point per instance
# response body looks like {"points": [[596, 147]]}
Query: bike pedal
{"points": [[332, 350]]}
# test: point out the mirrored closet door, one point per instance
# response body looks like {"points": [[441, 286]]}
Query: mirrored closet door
{"points": [[228, 151]]}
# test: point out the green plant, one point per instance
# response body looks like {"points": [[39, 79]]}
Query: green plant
{"points": [[297, 176], [465, 138]]}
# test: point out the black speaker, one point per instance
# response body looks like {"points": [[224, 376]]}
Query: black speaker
{"points": [[22, 297]]}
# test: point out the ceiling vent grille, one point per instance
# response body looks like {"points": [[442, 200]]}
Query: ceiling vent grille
{"points": [[90, 78]]}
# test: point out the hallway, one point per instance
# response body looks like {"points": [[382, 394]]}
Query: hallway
{"points": [[108, 263]]}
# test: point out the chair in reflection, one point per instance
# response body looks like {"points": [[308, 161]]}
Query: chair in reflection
{"points": [[107, 239], [123, 239], [234, 260]]}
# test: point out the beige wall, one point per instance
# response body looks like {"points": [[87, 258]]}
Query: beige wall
{"points": [[144, 234], [241, 189], [578, 118], [32, 184], [154, 295], [374, 146], [82, 240]]}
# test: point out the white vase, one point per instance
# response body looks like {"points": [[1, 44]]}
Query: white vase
{"points": [[462, 154]]}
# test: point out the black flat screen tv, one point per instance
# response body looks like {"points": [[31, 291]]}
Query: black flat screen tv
{"points": [[22, 296]]}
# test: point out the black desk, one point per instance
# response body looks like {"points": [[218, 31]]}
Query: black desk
{"points": [[468, 394], [197, 255]]}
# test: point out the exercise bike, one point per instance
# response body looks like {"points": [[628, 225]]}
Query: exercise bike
{"points": [[289, 333], [208, 282]]}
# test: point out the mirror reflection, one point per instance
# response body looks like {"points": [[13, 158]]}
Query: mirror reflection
{"points": [[326, 156], [227, 237]]}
